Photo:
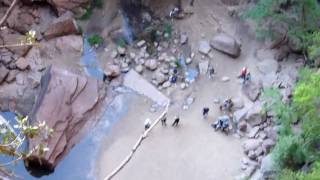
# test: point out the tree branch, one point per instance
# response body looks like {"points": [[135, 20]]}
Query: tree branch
{"points": [[6, 15]]}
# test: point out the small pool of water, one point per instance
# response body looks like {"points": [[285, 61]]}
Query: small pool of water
{"points": [[79, 163]]}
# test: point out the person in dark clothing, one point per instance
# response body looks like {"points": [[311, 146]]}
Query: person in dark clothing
{"points": [[211, 72], [173, 79], [205, 112], [176, 121], [164, 121]]}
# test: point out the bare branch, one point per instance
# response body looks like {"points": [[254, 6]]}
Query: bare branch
{"points": [[6, 15], [136, 146]]}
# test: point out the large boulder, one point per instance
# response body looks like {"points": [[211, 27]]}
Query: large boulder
{"points": [[267, 66], [65, 27], [67, 104], [22, 18], [251, 145], [226, 44]]}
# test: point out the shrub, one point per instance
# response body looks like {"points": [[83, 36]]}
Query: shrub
{"points": [[314, 48], [289, 152], [314, 174], [283, 113], [95, 40]]}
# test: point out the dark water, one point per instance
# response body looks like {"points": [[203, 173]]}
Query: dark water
{"points": [[79, 164], [89, 61]]}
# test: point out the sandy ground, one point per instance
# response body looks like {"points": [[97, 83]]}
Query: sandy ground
{"points": [[193, 151]]}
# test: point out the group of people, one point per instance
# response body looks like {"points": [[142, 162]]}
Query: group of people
{"points": [[223, 122], [226, 106], [147, 123]]}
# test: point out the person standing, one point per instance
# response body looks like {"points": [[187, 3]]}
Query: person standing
{"points": [[176, 121], [205, 112], [147, 124], [164, 121]]}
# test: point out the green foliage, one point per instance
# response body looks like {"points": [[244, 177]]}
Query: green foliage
{"points": [[95, 40], [288, 152], [167, 29], [307, 106], [314, 48], [283, 113], [288, 174], [297, 17], [122, 42], [294, 150], [177, 63]]}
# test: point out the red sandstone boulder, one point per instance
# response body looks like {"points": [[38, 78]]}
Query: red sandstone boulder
{"points": [[70, 103], [65, 27]]}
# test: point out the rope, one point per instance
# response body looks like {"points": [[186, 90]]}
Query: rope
{"points": [[136, 146]]}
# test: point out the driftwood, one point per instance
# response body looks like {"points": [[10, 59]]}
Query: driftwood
{"points": [[6, 15], [136, 146]]}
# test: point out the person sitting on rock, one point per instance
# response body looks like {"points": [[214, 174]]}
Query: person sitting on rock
{"points": [[205, 112], [226, 105]]}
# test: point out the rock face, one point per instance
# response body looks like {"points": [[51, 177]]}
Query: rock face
{"points": [[69, 103], [226, 44]]}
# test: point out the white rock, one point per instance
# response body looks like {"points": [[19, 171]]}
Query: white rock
{"points": [[192, 55], [139, 68], [141, 43], [204, 47], [188, 60], [183, 86], [166, 84], [225, 79], [121, 50], [175, 41], [151, 64], [132, 55], [114, 54]]}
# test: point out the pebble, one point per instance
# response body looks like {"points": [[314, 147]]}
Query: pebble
{"points": [[141, 43], [225, 79], [188, 60], [114, 54]]}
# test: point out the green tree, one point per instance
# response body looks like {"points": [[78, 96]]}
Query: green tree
{"points": [[298, 18]]}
